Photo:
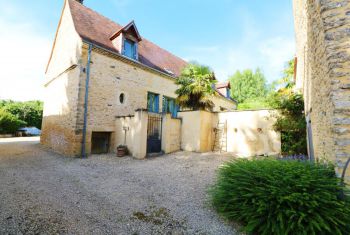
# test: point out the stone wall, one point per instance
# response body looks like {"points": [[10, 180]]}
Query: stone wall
{"points": [[197, 130], [62, 90], [171, 134], [207, 122], [190, 130], [323, 70], [59, 117], [132, 132], [248, 133]]}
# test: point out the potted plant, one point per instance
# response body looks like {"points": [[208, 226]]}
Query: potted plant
{"points": [[122, 150]]}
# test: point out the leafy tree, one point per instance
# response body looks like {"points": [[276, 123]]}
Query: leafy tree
{"points": [[247, 85], [9, 123], [196, 87], [3, 103], [30, 112], [287, 81], [290, 121], [254, 104]]}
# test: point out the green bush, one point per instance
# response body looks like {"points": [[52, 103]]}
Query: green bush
{"points": [[9, 123], [290, 121], [281, 197], [30, 112], [254, 104]]}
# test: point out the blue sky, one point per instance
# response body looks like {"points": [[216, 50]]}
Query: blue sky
{"points": [[225, 34]]}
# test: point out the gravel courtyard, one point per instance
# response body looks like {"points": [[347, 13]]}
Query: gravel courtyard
{"points": [[45, 193]]}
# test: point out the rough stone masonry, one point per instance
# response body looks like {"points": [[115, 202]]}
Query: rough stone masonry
{"points": [[323, 74]]}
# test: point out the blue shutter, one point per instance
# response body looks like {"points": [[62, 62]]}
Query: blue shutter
{"points": [[156, 103], [135, 51], [176, 109], [171, 106], [165, 104], [149, 102]]}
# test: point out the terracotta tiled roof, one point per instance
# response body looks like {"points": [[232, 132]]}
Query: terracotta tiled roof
{"points": [[93, 27], [222, 85]]}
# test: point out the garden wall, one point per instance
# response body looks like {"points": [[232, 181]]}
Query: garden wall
{"points": [[132, 131], [249, 133], [171, 134]]}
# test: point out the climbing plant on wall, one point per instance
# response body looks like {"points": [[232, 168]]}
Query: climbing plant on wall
{"points": [[290, 121]]}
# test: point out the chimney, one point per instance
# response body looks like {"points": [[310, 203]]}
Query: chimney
{"points": [[80, 1]]}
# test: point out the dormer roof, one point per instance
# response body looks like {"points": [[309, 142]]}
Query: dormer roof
{"points": [[223, 85], [97, 29], [128, 29]]}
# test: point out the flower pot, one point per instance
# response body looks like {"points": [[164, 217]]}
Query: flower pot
{"points": [[121, 151]]}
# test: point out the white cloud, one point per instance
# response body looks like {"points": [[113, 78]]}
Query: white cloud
{"points": [[23, 57]]}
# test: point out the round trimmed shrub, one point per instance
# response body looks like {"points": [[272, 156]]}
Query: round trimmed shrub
{"points": [[281, 197]]}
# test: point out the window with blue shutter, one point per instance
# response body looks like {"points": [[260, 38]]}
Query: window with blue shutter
{"points": [[170, 106], [228, 93], [153, 102], [129, 48]]}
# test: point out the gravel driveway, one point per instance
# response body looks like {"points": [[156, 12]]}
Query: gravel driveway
{"points": [[45, 193]]}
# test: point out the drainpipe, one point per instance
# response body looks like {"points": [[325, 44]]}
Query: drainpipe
{"points": [[309, 139], [344, 169], [83, 152]]}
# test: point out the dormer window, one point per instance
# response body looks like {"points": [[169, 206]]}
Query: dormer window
{"points": [[129, 49], [228, 93], [125, 40], [224, 88]]}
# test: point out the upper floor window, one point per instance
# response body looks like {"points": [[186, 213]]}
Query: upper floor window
{"points": [[129, 49], [228, 93], [126, 40]]}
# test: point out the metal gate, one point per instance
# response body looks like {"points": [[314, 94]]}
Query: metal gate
{"points": [[154, 133]]}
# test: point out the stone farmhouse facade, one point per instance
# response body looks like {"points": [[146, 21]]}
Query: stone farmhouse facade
{"points": [[103, 81], [323, 75]]}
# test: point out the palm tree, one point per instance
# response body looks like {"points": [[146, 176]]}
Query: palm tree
{"points": [[196, 84]]}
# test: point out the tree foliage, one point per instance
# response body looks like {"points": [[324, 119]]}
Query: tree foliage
{"points": [[248, 85], [195, 87], [254, 104], [290, 121], [30, 112], [287, 81], [9, 123]]}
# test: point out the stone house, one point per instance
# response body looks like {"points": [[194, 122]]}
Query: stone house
{"points": [[106, 85], [323, 75]]}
